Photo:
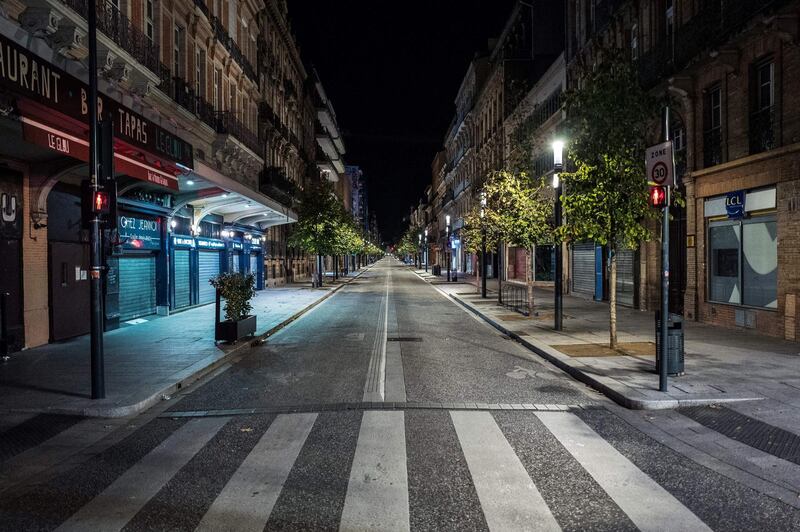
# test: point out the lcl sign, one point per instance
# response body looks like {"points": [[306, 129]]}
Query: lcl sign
{"points": [[734, 204]]}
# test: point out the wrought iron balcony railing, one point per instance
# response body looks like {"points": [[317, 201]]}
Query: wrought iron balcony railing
{"points": [[712, 147], [227, 41], [762, 130], [277, 185], [119, 29], [228, 124], [185, 96]]}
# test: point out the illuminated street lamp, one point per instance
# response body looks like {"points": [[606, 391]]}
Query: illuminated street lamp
{"points": [[419, 250], [425, 251], [558, 167]]}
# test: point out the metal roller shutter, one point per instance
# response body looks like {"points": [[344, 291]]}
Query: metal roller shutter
{"points": [[625, 278], [583, 268], [208, 268], [182, 278], [137, 287], [235, 267]]}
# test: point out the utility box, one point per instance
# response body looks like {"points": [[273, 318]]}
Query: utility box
{"points": [[675, 352]]}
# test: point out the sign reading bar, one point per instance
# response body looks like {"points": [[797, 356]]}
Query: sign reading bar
{"points": [[660, 166], [27, 74]]}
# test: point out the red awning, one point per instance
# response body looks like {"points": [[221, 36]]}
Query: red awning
{"points": [[61, 134]]}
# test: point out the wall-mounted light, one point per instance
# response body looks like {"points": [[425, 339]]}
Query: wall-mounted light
{"points": [[173, 223], [225, 233], [558, 155], [189, 182]]}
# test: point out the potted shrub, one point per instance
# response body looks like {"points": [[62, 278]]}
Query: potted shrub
{"points": [[237, 290]]}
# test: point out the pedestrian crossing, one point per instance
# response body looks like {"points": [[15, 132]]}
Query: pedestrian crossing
{"points": [[386, 482]]}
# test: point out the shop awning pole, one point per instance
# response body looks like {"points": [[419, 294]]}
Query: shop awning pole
{"points": [[95, 282]]}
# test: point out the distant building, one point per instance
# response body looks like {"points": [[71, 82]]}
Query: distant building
{"points": [[360, 199]]}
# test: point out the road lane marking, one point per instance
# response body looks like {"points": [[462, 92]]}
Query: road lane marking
{"points": [[377, 493], [509, 499], [375, 386], [120, 501], [646, 503], [249, 496]]}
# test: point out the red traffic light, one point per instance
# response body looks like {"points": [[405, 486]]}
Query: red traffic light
{"points": [[658, 197], [101, 203]]}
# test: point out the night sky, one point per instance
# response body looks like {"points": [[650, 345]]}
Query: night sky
{"points": [[392, 71]]}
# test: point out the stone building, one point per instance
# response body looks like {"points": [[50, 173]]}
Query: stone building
{"points": [[729, 68]]}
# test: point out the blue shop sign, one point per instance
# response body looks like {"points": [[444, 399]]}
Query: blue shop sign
{"points": [[207, 243], [139, 233], [237, 245], [734, 204], [182, 242]]}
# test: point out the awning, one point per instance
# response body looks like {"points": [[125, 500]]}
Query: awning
{"points": [[49, 129]]}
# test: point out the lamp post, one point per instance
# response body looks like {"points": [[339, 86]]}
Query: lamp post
{"points": [[483, 246], [419, 250], [425, 251], [558, 166], [447, 252]]}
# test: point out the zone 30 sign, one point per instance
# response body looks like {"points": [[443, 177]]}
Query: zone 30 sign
{"points": [[660, 166]]}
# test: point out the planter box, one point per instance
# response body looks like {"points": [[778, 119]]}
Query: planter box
{"points": [[233, 331]]}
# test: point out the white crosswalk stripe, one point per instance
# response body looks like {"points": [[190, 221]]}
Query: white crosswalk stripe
{"points": [[509, 499], [120, 501], [248, 498], [646, 503], [377, 494]]}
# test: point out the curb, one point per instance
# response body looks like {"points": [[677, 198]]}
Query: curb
{"points": [[562, 362], [189, 376]]}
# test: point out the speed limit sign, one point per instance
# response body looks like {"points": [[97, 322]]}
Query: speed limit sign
{"points": [[660, 167]]}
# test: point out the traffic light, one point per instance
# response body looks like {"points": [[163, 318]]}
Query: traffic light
{"points": [[94, 203], [101, 203], [658, 197]]}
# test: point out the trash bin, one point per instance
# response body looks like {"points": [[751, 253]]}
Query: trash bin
{"points": [[675, 353]]}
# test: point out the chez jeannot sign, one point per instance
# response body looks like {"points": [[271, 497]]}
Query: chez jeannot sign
{"points": [[28, 75]]}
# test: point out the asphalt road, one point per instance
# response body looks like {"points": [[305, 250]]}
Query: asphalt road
{"points": [[388, 407]]}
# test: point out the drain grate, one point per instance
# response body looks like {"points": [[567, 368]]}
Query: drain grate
{"points": [[404, 339], [747, 430]]}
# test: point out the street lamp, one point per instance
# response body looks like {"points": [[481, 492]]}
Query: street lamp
{"points": [[425, 251], [558, 166], [447, 252], [419, 250], [483, 245]]}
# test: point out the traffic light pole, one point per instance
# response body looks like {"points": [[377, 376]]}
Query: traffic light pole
{"points": [[663, 378], [95, 242]]}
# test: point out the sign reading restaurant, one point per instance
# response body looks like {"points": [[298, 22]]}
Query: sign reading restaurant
{"points": [[32, 77]]}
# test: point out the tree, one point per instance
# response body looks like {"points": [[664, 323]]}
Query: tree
{"points": [[518, 211], [606, 195]]}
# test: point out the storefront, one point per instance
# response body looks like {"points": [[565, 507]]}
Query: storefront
{"points": [[235, 251], [182, 266], [255, 252], [742, 251], [11, 256], [209, 261], [584, 269], [135, 286]]}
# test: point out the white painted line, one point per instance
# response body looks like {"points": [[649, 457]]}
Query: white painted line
{"points": [[249, 496], [377, 493], [509, 499], [120, 501], [645, 502]]}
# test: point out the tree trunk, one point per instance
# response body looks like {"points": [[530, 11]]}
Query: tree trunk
{"points": [[335, 263], [529, 281], [501, 257], [612, 298], [319, 270]]}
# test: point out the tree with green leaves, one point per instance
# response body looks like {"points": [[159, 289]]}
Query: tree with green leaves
{"points": [[605, 198], [518, 212]]}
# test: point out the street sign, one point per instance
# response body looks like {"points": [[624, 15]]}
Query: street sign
{"points": [[660, 166]]}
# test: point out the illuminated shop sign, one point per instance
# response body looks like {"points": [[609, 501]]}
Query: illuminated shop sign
{"points": [[139, 233], [183, 241], [206, 243]]}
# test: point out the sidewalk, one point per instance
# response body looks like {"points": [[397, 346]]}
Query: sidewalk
{"points": [[142, 362], [722, 365]]}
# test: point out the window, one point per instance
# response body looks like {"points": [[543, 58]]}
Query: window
{"points": [[743, 262], [669, 20], [635, 42], [200, 73], [177, 51], [149, 16], [762, 120], [217, 92], [712, 127]]}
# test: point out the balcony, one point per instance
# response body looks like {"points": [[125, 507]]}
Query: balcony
{"points": [[222, 36], [762, 132], [184, 95], [275, 184], [712, 147], [118, 28], [226, 123]]}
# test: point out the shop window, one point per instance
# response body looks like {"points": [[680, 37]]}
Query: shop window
{"points": [[743, 262]]}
